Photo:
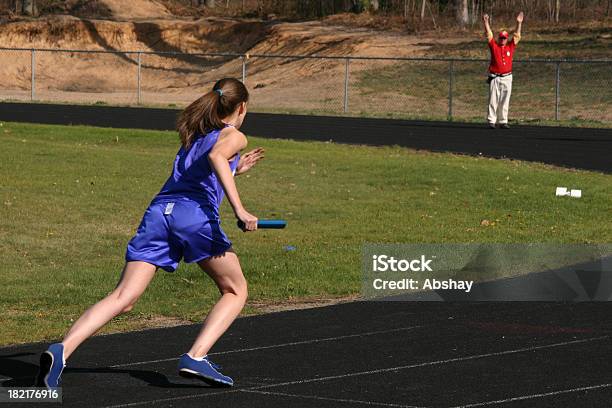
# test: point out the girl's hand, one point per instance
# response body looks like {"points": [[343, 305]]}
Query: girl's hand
{"points": [[249, 159], [519, 18], [249, 220]]}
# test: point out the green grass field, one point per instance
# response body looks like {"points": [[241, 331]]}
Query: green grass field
{"points": [[71, 197]]}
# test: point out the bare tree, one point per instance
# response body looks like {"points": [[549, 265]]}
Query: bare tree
{"points": [[423, 3], [28, 7], [552, 10], [463, 15], [433, 18]]}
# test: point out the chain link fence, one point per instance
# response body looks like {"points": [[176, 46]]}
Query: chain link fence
{"points": [[411, 88]]}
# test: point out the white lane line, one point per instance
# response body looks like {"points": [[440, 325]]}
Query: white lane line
{"points": [[350, 401], [382, 370], [532, 396], [294, 343], [193, 396], [183, 397], [431, 363]]}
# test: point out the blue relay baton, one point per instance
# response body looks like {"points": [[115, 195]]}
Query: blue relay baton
{"points": [[266, 224]]}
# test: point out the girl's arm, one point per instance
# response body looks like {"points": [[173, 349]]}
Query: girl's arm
{"points": [[230, 142], [248, 160]]}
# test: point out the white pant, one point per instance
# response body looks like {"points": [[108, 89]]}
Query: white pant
{"points": [[500, 89]]}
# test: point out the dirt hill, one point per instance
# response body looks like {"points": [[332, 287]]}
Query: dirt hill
{"points": [[70, 76], [136, 9]]}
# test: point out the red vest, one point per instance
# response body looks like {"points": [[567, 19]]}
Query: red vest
{"points": [[501, 57]]}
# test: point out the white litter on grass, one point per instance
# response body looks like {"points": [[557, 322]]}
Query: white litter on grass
{"points": [[563, 191]]}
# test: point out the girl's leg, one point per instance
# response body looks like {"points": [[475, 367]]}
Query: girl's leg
{"points": [[135, 278], [225, 270]]}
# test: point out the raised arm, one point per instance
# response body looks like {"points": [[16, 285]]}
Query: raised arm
{"points": [[487, 27], [516, 37], [230, 142]]}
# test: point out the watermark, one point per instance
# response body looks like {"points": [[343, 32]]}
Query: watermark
{"points": [[15, 395], [487, 272]]}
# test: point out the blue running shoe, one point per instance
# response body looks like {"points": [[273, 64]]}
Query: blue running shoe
{"points": [[204, 370], [51, 366]]}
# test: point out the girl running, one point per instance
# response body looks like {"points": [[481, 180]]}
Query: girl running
{"points": [[182, 221]]}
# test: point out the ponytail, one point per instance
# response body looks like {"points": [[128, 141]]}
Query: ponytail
{"points": [[207, 112]]}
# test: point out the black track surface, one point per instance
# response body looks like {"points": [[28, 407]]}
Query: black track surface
{"points": [[388, 354], [569, 147]]}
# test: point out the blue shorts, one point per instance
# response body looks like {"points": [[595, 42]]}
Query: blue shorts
{"points": [[171, 230]]}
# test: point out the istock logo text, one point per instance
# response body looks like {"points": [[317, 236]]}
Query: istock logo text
{"points": [[384, 263]]}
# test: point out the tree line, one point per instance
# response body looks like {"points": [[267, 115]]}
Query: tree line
{"points": [[27, 7], [462, 12]]}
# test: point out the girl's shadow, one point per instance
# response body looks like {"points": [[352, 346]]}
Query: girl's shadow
{"points": [[18, 373]]}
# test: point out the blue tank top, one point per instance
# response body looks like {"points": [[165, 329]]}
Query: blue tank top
{"points": [[193, 178]]}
